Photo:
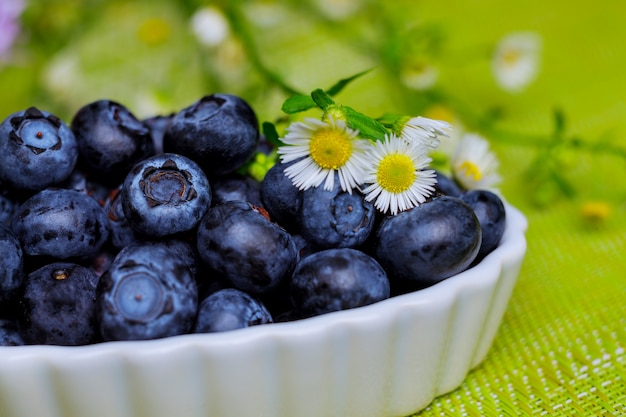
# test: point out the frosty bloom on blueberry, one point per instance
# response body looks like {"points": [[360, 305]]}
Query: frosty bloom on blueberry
{"points": [[164, 195], [323, 148], [37, 150], [111, 140], [397, 176], [219, 132]]}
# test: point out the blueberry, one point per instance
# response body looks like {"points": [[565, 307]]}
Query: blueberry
{"points": [[148, 292], [233, 187], [230, 309], [11, 265], [60, 223], [9, 333], [220, 132], [447, 185], [491, 214], [121, 234], [280, 197], [164, 195], [37, 150], [183, 250], [82, 181], [337, 279], [431, 242], [8, 205], [237, 241], [335, 219], [101, 262], [58, 305], [158, 125], [110, 139]]}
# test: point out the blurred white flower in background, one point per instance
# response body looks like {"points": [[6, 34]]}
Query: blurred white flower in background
{"points": [[515, 61], [419, 75], [265, 13], [10, 11], [473, 164], [62, 74], [338, 9], [210, 26]]}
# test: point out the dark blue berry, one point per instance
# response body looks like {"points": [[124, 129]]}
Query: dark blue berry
{"points": [[447, 185], [164, 195], [431, 242], [101, 262], [280, 197], [335, 218], [491, 214], [58, 305], [148, 292], [157, 126], [60, 223], [87, 183], [121, 234], [230, 309], [11, 265], [220, 132], [8, 204], [110, 139], [37, 150], [337, 279], [237, 241], [9, 333], [236, 187]]}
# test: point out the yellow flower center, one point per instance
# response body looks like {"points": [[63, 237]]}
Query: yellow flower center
{"points": [[330, 148], [596, 211], [396, 173], [510, 57], [470, 170]]}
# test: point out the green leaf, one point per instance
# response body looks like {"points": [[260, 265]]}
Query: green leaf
{"points": [[341, 84], [298, 103], [270, 133], [368, 128], [322, 99], [390, 119]]}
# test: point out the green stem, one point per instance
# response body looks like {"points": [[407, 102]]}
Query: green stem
{"points": [[486, 126], [237, 22]]}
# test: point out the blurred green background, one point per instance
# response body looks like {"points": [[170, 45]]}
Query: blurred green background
{"points": [[559, 137]]}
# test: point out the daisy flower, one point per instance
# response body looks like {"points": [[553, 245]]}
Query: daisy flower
{"points": [[516, 60], [397, 176], [474, 166], [424, 130], [323, 148]]}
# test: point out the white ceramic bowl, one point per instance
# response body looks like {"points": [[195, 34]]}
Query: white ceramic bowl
{"points": [[387, 359]]}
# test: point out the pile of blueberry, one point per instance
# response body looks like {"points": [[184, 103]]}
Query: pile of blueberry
{"points": [[114, 228]]}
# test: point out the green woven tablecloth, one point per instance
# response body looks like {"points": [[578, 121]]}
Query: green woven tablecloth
{"points": [[561, 348]]}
